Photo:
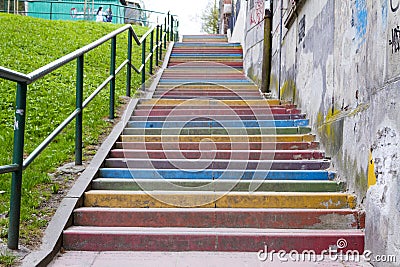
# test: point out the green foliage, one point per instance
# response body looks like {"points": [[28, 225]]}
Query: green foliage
{"points": [[28, 44], [209, 18]]}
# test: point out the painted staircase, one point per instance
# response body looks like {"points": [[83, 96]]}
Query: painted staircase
{"points": [[207, 164]]}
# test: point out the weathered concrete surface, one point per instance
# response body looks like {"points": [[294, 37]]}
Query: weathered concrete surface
{"points": [[253, 39], [340, 64]]}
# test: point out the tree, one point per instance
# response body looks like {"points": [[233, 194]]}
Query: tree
{"points": [[209, 18]]}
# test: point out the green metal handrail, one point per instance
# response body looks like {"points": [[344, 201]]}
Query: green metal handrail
{"points": [[23, 80]]}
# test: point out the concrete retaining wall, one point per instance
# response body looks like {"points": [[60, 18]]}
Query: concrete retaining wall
{"points": [[341, 65]]}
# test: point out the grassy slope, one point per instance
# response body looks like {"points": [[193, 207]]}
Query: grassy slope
{"points": [[26, 45]]}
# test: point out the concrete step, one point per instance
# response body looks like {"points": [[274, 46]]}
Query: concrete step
{"points": [[207, 94], [218, 131], [204, 153], [220, 239], [219, 138], [220, 218], [227, 55], [203, 199], [216, 164], [204, 40], [218, 124], [253, 146], [237, 64], [210, 97], [218, 81], [238, 172], [150, 107], [206, 65], [211, 103], [220, 117], [216, 185], [193, 47], [215, 88], [216, 112], [206, 239], [220, 72], [211, 52]]}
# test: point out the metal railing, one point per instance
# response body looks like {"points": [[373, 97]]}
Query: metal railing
{"points": [[164, 32]]}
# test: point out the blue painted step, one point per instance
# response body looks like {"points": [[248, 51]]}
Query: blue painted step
{"points": [[218, 124], [217, 174]]}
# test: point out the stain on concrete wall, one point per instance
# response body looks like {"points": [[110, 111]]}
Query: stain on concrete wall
{"points": [[254, 37], [383, 201]]}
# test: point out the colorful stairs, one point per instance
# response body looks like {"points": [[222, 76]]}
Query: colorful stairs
{"points": [[207, 164]]}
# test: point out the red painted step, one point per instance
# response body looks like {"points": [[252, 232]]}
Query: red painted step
{"points": [[207, 239], [205, 93], [220, 117], [227, 111], [220, 218], [224, 63], [144, 106]]}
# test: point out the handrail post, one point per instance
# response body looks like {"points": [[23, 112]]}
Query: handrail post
{"points": [[129, 65], [112, 73], [143, 63], [171, 35], [161, 40], [166, 32], [151, 52], [18, 158], [51, 10], [79, 116], [167, 25], [177, 31], [157, 43]]}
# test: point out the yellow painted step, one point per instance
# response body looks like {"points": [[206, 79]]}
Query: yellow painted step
{"points": [[138, 199], [219, 138], [210, 102]]}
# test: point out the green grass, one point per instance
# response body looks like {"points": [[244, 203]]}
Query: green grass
{"points": [[26, 45], [7, 259]]}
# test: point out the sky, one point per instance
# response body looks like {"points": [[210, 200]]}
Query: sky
{"points": [[188, 11]]}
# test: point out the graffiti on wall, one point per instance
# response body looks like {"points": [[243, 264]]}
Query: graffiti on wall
{"points": [[393, 39], [394, 7], [256, 11], [359, 21], [302, 28]]}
